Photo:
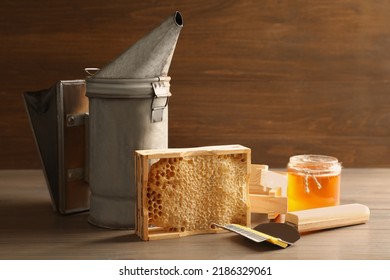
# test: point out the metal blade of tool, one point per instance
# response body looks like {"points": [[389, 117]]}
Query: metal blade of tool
{"points": [[254, 235]]}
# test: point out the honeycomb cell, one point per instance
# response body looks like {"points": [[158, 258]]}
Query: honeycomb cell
{"points": [[197, 191]]}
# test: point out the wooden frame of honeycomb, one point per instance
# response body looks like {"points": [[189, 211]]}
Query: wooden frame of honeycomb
{"points": [[182, 192]]}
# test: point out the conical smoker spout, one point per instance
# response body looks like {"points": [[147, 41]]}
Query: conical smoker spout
{"points": [[149, 57]]}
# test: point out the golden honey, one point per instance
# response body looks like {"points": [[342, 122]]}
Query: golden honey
{"points": [[313, 181]]}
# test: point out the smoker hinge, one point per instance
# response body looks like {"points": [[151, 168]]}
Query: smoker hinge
{"points": [[75, 119]]}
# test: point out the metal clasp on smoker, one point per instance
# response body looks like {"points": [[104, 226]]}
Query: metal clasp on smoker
{"points": [[160, 99]]}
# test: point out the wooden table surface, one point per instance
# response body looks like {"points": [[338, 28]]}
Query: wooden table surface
{"points": [[29, 229]]}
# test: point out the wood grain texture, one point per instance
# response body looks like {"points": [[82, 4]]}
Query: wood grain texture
{"points": [[30, 229], [281, 77]]}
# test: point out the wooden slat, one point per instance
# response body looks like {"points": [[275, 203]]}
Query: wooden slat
{"points": [[268, 204]]}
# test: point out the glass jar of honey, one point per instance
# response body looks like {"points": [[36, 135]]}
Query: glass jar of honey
{"points": [[313, 181]]}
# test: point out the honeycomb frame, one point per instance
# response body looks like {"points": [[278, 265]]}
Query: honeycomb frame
{"points": [[149, 200]]}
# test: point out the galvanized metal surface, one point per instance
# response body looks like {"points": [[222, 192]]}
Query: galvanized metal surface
{"points": [[117, 127], [149, 57]]}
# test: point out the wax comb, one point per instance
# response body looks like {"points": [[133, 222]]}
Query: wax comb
{"points": [[254, 235]]}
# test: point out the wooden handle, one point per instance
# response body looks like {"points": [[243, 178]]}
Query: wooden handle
{"points": [[328, 217]]}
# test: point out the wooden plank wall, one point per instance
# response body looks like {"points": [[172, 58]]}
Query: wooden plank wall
{"points": [[281, 77]]}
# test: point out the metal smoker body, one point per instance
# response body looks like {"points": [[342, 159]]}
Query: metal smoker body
{"points": [[131, 116]]}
